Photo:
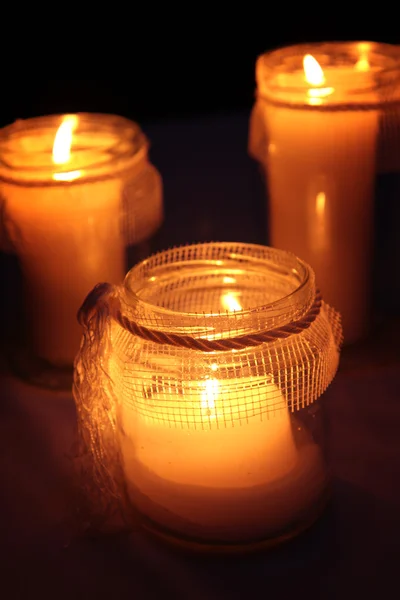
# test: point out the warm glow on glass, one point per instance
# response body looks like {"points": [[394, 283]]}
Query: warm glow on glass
{"points": [[62, 147], [229, 279], [320, 236], [320, 204]]}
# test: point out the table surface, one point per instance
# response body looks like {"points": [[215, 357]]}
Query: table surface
{"points": [[212, 191]]}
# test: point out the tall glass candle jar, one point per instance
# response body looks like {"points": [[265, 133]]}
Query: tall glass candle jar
{"points": [[196, 390], [321, 111], [77, 190]]}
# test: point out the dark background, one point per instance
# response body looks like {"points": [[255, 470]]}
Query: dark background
{"points": [[176, 75], [355, 547]]}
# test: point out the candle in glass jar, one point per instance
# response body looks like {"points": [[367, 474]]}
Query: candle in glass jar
{"points": [[217, 455], [321, 173], [67, 235], [220, 457]]}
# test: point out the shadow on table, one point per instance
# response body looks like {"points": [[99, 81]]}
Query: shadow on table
{"points": [[354, 544]]}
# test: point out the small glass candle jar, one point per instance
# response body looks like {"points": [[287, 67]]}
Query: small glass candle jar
{"points": [[322, 128], [196, 390], [77, 191]]}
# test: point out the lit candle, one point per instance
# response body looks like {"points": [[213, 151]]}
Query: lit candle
{"points": [[196, 390], [218, 457], [321, 129], [63, 214]]}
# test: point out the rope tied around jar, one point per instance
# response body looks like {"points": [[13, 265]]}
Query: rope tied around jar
{"points": [[104, 297]]}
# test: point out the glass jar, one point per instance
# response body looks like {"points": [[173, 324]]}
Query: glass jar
{"points": [[79, 197], [196, 390], [325, 124]]}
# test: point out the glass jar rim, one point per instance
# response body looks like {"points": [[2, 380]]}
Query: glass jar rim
{"points": [[374, 83], [171, 265], [101, 145]]}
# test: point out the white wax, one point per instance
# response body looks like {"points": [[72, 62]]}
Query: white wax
{"points": [[321, 173], [205, 468], [68, 239]]}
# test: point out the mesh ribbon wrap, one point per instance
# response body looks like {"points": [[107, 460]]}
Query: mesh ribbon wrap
{"points": [[149, 346]]}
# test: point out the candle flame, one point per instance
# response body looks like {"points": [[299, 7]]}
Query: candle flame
{"points": [[313, 71], [230, 302], [314, 76], [362, 64], [62, 147], [209, 397], [63, 140]]}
